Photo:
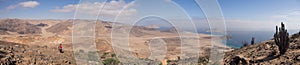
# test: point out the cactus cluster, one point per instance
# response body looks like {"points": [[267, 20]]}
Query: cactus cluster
{"points": [[281, 38]]}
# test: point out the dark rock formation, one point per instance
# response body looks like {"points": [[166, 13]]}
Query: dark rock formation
{"points": [[238, 61], [42, 25]]}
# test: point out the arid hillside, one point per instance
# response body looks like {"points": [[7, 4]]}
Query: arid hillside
{"points": [[41, 37], [22, 54], [61, 27], [267, 52]]}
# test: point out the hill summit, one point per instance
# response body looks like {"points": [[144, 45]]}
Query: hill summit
{"points": [[270, 52]]}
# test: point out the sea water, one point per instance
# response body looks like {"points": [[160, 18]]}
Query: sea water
{"points": [[238, 38]]}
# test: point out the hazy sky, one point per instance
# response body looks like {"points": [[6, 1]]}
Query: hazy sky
{"points": [[239, 14]]}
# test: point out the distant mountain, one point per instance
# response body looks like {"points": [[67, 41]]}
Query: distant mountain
{"points": [[61, 28], [173, 29], [153, 26], [19, 26]]}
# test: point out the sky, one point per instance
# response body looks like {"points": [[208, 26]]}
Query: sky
{"points": [[239, 14]]}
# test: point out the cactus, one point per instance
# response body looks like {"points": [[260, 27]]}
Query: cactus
{"points": [[252, 40], [281, 39]]}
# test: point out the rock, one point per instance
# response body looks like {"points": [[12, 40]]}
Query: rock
{"points": [[45, 47], [297, 58], [16, 45], [236, 61], [9, 51], [67, 62]]}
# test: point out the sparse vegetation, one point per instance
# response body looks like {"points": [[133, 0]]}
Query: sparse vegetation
{"points": [[168, 61], [113, 55], [92, 56], [245, 44], [111, 61], [104, 55], [203, 60], [81, 51]]}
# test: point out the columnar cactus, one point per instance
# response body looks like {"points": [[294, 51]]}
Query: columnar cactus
{"points": [[281, 38], [252, 40]]}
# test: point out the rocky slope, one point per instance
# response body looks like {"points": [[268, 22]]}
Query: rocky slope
{"points": [[266, 53], [3, 32], [21, 54]]}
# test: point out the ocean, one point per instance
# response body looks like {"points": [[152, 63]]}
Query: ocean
{"points": [[239, 37]]}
